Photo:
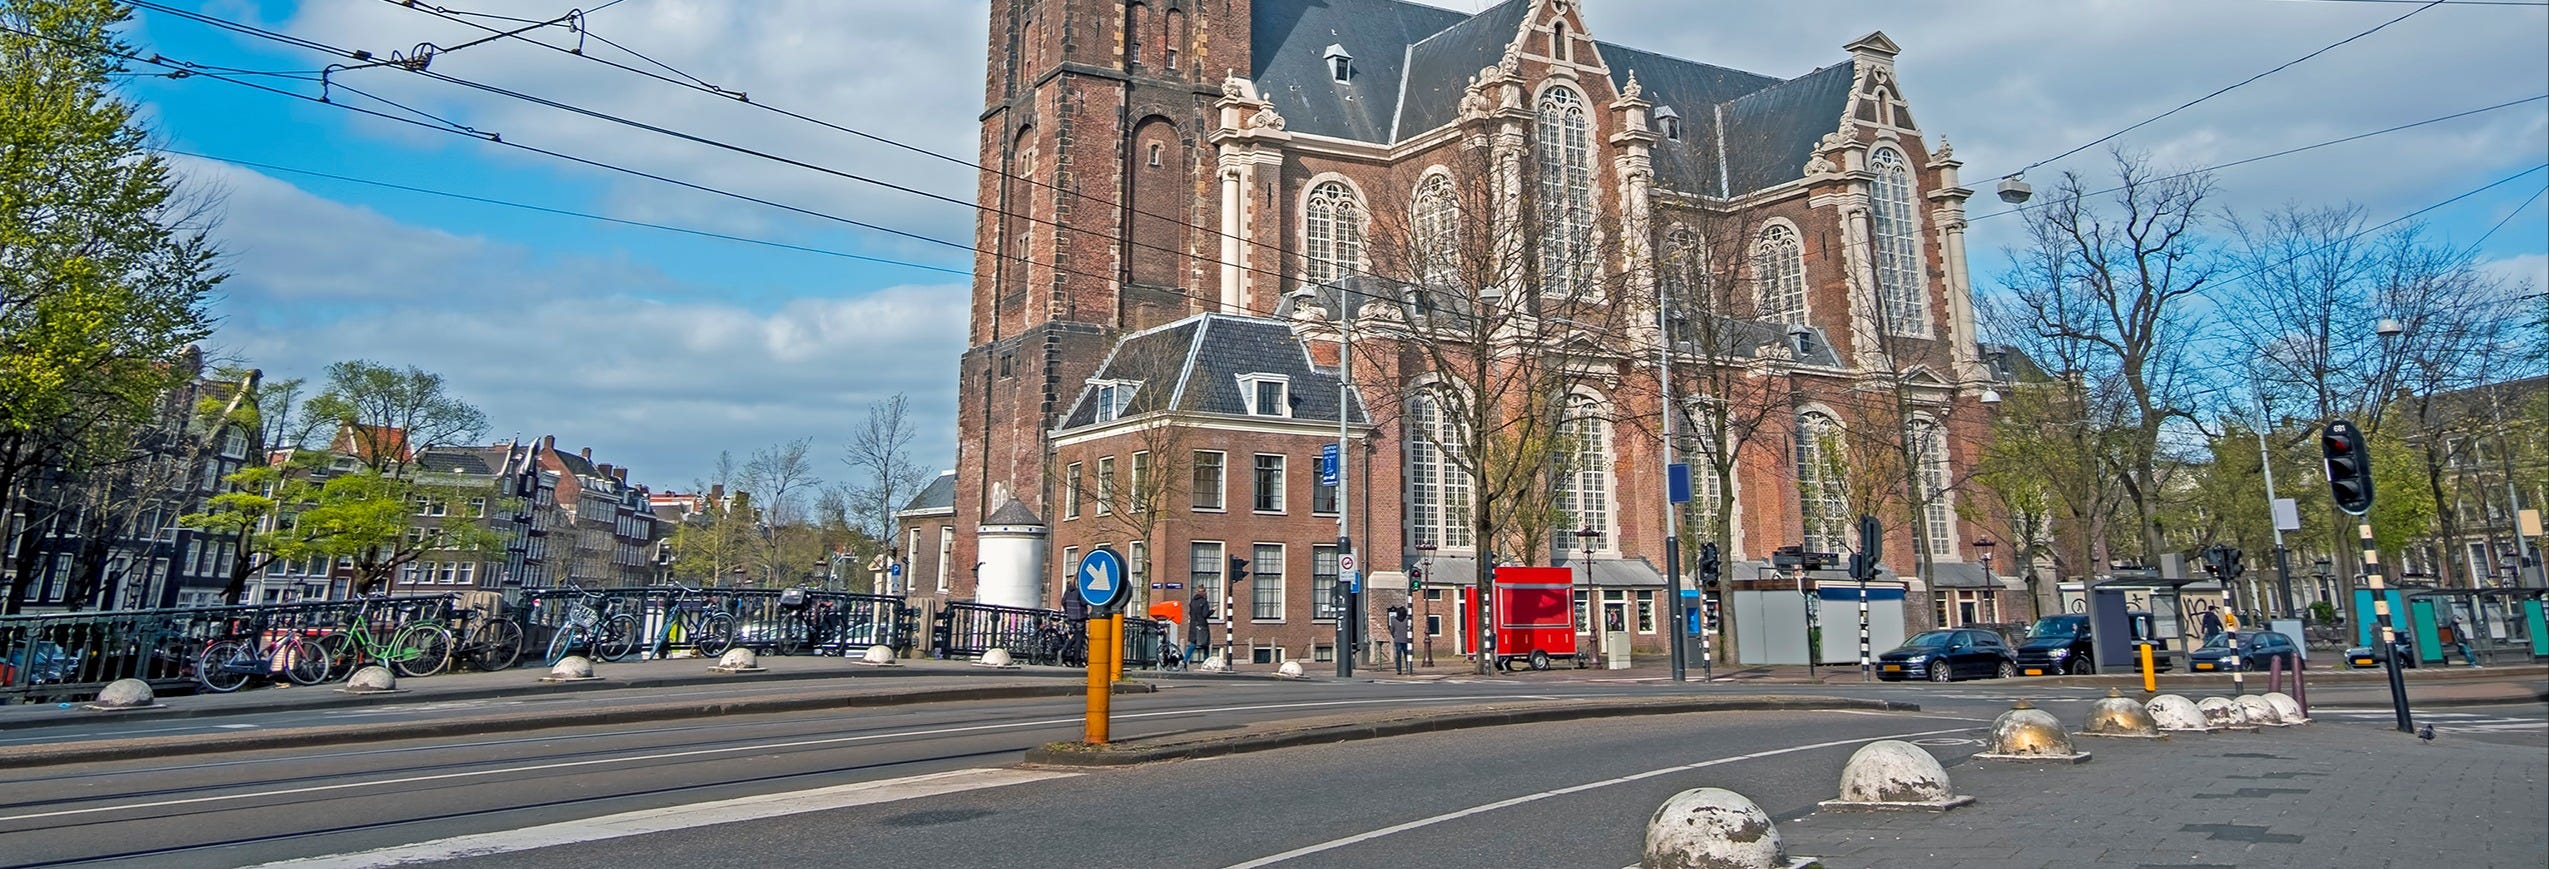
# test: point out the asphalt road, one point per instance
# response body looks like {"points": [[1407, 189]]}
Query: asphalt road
{"points": [[903, 785]]}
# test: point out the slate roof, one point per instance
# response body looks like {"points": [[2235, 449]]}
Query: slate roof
{"points": [[1744, 339], [1412, 61], [1194, 365], [455, 460], [938, 496], [1015, 512]]}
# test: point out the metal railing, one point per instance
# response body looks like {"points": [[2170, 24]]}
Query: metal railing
{"points": [[1033, 636], [70, 656], [828, 623]]}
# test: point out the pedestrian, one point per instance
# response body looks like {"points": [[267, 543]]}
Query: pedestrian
{"points": [[2212, 621], [1198, 625], [1402, 636], [2460, 640]]}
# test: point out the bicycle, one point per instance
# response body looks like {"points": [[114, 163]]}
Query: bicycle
{"points": [[805, 624], [606, 633], [687, 611], [228, 662], [494, 643], [415, 651]]}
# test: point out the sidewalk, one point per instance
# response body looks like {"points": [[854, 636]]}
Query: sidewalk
{"points": [[2313, 796]]}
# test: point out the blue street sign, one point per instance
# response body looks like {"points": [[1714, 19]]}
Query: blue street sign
{"points": [[1168, 586], [894, 570], [1677, 482], [1327, 464], [1354, 581], [1100, 578]]}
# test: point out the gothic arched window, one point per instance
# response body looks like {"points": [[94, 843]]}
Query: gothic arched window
{"points": [[1779, 275], [1929, 452], [1565, 155], [1437, 232], [1821, 498], [1584, 489], [1900, 299], [1332, 239], [1437, 486]]}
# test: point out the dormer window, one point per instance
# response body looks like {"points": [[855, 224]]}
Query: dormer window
{"points": [[1668, 122], [1340, 64], [1113, 396], [1266, 394]]}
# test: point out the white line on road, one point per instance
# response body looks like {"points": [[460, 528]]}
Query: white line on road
{"points": [[1333, 844], [639, 823], [701, 752]]}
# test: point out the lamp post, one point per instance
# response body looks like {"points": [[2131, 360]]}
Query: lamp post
{"points": [[1350, 618], [1592, 595], [2321, 573], [1991, 584], [1424, 571]]}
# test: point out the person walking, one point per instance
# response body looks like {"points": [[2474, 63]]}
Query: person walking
{"points": [[1402, 636], [2460, 640], [1198, 625], [2212, 621]]}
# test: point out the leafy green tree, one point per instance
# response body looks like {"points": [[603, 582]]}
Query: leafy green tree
{"points": [[104, 262]]}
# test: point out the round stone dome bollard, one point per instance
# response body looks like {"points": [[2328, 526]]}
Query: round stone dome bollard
{"points": [[2119, 716], [125, 694], [739, 659], [996, 658], [572, 668], [2287, 710], [1214, 664], [1892, 775], [1289, 670], [2258, 711], [2177, 714], [879, 656], [373, 679], [1713, 828], [2026, 733], [2223, 712]]}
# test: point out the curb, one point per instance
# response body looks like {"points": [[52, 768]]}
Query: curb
{"points": [[1134, 751], [55, 754], [293, 699]]}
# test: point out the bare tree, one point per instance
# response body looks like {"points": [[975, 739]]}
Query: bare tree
{"points": [[881, 455], [779, 477]]}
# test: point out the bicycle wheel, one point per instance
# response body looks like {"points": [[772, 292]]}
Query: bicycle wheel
{"points": [[495, 644], [225, 666], [561, 642], [303, 661], [417, 651], [338, 651], [619, 638], [791, 638], [711, 634]]}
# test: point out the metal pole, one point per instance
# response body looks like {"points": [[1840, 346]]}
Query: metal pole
{"points": [[1672, 525], [1345, 621], [2266, 463], [1867, 672], [2389, 638]]}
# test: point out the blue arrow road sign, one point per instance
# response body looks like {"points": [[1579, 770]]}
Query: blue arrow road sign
{"points": [[1327, 464], [1100, 578]]}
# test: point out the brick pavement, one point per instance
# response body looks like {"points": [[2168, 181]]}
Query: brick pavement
{"points": [[2332, 794]]}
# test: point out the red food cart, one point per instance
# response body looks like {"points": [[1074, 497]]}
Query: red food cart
{"points": [[1534, 613]]}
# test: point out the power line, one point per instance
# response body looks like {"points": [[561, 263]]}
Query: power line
{"points": [[2536, 4], [2227, 89], [562, 212], [2509, 218], [2291, 151]]}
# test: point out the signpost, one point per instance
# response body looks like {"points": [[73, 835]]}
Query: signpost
{"points": [[1100, 582], [1327, 464]]}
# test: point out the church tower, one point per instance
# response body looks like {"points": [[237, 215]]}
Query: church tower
{"points": [[1096, 205]]}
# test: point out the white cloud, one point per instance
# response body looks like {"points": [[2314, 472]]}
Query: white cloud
{"points": [[2529, 270]]}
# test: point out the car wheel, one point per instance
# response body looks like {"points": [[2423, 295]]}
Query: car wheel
{"points": [[2007, 669], [1939, 672], [2080, 667]]}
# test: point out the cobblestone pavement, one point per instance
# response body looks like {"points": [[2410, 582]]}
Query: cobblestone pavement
{"points": [[2339, 793]]}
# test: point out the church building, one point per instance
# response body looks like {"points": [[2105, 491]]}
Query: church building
{"points": [[1488, 251]]}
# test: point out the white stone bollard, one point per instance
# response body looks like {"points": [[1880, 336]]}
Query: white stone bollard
{"points": [[2223, 712], [2119, 716], [1891, 774], [1713, 828], [2258, 711], [1289, 670], [2287, 710], [997, 658], [1214, 664], [373, 679], [572, 668], [879, 656], [2177, 714], [2031, 734], [740, 659], [125, 694]]}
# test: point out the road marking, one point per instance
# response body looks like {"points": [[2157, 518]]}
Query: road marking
{"points": [[639, 823], [702, 752], [1334, 844]]}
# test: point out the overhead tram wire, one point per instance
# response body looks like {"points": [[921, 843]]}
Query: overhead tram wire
{"points": [[178, 66], [727, 146], [562, 212]]}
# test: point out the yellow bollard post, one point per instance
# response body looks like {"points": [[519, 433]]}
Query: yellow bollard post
{"points": [[2150, 675], [1115, 650], [1101, 688]]}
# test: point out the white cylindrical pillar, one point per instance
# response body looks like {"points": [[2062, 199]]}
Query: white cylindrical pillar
{"points": [[1012, 545]]}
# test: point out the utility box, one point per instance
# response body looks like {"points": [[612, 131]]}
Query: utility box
{"points": [[1615, 650]]}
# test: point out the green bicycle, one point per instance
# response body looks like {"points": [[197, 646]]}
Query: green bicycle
{"points": [[416, 650]]}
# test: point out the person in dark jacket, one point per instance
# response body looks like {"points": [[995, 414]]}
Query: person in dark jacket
{"points": [[1198, 622]]}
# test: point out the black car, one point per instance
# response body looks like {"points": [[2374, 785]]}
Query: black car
{"points": [[2256, 650], [1942, 656], [2373, 655], [2057, 645]]}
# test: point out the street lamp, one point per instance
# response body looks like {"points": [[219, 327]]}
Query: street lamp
{"points": [[1349, 622], [1991, 586], [1424, 571], [1592, 595]]}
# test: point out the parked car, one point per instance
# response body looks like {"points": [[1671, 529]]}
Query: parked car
{"points": [[1946, 655], [2256, 650], [2373, 655], [2056, 646]]}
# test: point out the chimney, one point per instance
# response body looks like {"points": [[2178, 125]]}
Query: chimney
{"points": [[621, 475], [586, 452], [549, 442], [604, 470]]}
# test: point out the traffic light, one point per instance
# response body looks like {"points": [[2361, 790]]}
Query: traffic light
{"points": [[1416, 578], [2349, 466], [1709, 567], [2231, 568], [1238, 569]]}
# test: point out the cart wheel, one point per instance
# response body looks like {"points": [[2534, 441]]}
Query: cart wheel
{"points": [[1539, 660]]}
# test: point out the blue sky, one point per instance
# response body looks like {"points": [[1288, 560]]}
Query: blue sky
{"points": [[659, 350]]}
